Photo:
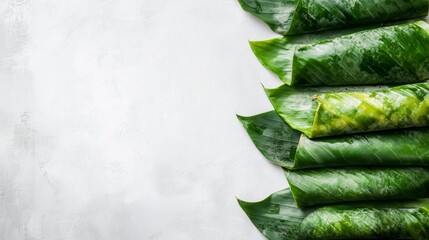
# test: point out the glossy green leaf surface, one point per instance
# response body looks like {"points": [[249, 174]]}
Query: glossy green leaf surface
{"points": [[321, 112], [334, 185], [388, 55], [277, 218], [291, 17], [366, 223], [288, 148], [274, 138]]}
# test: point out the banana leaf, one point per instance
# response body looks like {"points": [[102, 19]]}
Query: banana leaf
{"points": [[277, 218], [334, 185], [291, 17], [287, 147], [388, 55], [321, 112]]}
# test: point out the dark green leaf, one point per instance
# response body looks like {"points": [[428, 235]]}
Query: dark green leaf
{"points": [[290, 17], [288, 148], [279, 219], [389, 55], [277, 142], [327, 185]]}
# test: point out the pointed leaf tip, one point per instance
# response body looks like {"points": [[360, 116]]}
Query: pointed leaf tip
{"points": [[240, 118]]}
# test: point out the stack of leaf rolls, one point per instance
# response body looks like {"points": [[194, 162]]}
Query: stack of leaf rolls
{"points": [[350, 125]]}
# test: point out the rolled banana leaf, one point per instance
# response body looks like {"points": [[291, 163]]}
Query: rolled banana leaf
{"points": [[335, 185], [388, 55], [292, 17], [277, 218], [287, 147], [321, 112]]}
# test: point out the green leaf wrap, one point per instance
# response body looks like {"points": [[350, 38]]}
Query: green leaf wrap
{"points": [[388, 55], [288, 148], [376, 223], [320, 113], [291, 17], [278, 218], [335, 185]]}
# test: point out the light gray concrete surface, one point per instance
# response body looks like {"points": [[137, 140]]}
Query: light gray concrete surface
{"points": [[117, 120]]}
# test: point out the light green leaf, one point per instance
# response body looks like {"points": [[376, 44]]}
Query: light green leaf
{"points": [[321, 112]]}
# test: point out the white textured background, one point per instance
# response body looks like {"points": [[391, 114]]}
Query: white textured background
{"points": [[117, 119]]}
